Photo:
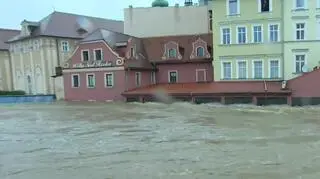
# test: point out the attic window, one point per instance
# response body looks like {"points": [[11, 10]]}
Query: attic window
{"points": [[200, 51], [132, 52], [172, 53], [85, 55], [265, 5]]}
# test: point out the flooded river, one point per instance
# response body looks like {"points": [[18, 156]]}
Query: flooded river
{"points": [[144, 141]]}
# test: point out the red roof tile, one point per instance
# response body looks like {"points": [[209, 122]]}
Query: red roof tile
{"points": [[211, 88]]}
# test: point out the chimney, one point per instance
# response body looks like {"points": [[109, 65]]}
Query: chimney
{"points": [[188, 3]]}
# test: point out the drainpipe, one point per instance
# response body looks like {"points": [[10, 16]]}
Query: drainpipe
{"points": [[282, 35], [58, 55]]}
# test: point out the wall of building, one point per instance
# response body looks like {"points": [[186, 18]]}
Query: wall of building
{"points": [[5, 72], [187, 73], [248, 17], [307, 47], [131, 79], [38, 62], [165, 21]]}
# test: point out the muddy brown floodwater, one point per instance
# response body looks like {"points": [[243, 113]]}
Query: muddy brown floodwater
{"points": [[144, 141]]}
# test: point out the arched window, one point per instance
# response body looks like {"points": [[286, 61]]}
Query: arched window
{"points": [[200, 52], [172, 53]]}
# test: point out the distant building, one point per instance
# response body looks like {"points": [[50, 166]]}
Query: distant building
{"points": [[106, 64], [163, 20], [5, 65], [39, 50]]}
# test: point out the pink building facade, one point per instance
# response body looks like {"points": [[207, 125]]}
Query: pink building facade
{"points": [[105, 64]]}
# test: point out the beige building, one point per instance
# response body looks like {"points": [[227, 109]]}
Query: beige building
{"points": [[41, 48], [188, 19], [5, 66]]}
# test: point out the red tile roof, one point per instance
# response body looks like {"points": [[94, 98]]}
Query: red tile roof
{"points": [[211, 88]]}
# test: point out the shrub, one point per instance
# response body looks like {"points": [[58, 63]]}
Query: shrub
{"points": [[12, 93]]}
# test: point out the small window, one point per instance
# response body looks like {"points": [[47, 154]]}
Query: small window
{"points": [[91, 81], [76, 81], [153, 77], [85, 55], [173, 77], [109, 80], [200, 52], [98, 54], [65, 46], [138, 79], [172, 53], [36, 45], [131, 52], [265, 5]]}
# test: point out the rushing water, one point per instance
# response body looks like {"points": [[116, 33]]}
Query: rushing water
{"points": [[144, 141]]}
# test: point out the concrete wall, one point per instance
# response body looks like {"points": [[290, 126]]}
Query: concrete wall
{"points": [[166, 21], [5, 71]]}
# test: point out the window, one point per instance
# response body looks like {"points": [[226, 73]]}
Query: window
{"points": [[200, 52], [138, 79], [98, 54], [85, 55], [109, 80], [300, 61], [257, 33], [300, 4], [131, 52], [36, 45], [226, 37], [274, 69], [265, 5], [65, 46], [172, 53], [75, 80], [318, 3], [233, 7], [227, 70], [258, 69], [153, 77], [173, 76], [300, 31], [273, 32], [242, 35], [318, 28], [242, 69], [210, 20], [91, 81]]}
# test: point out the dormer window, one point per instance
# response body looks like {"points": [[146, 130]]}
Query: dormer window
{"points": [[200, 52], [98, 54], [85, 55], [172, 53]]}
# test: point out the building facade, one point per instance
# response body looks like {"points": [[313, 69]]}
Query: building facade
{"points": [[5, 65], [106, 64], [302, 37], [41, 47], [168, 21], [248, 40]]}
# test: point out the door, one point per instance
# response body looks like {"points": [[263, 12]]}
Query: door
{"points": [[201, 75]]}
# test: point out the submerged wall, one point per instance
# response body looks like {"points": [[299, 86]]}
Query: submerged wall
{"points": [[27, 99]]}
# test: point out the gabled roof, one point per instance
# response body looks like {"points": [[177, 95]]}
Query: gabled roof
{"points": [[60, 24], [6, 34]]}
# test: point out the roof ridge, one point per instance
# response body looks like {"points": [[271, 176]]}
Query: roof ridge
{"points": [[75, 14], [7, 29]]}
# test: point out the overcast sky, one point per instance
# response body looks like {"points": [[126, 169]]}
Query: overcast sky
{"points": [[13, 12]]}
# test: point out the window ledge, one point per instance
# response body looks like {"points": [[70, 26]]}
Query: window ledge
{"points": [[300, 10], [233, 15], [297, 73]]}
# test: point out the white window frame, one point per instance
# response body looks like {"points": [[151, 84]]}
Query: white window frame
{"points": [[318, 28], [177, 75], [294, 62], [94, 54], [105, 79], [87, 80], [246, 62], [318, 3], [304, 29], [153, 77], [85, 50], [63, 45], [254, 71], [269, 31], [222, 71], [204, 72], [238, 8], [269, 68], [221, 35], [135, 79], [298, 8], [72, 82], [246, 34], [270, 6], [257, 25]]}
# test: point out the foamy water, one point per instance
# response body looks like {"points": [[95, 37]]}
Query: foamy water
{"points": [[137, 141]]}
